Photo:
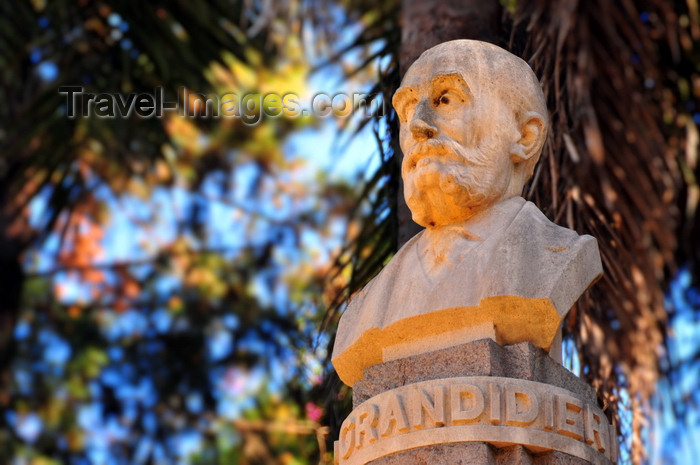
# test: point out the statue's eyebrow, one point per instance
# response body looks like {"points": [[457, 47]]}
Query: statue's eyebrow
{"points": [[400, 96], [452, 79], [409, 92], [403, 92]]}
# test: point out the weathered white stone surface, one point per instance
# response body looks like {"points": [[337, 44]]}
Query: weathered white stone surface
{"points": [[500, 411], [489, 264]]}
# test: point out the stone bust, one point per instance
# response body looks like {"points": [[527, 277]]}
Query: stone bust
{"points": [[489, 264]]}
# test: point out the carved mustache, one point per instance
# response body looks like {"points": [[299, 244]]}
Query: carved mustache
{"points": [[445, 149]]}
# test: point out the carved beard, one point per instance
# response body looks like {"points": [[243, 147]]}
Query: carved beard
{"points": [[455, 186]]}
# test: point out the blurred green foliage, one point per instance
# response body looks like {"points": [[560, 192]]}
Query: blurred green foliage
{"points": [[165, 276]]}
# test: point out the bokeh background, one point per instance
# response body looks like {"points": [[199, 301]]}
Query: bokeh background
{"points": [[169, 287]]}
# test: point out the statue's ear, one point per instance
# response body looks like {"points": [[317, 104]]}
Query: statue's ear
{"points": [[532, 135]]}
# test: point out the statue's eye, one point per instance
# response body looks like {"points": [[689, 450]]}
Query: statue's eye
{"points": [[448, 98], [443, 99]]}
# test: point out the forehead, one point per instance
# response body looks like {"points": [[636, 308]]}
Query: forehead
{"points": [[431, 68]]}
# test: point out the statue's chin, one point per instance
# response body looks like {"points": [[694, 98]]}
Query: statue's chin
{"points": [[435, 206], [437, 196]]}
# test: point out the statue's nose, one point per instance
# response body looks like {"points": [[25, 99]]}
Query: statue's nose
{"points": [[422, 126]]}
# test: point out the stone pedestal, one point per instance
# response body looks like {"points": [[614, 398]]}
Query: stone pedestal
{"points": [[477, 403]]}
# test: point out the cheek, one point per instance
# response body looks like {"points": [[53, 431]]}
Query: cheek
{"points": [[464, 130]]}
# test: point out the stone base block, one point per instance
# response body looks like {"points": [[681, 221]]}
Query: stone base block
{"points": [[476, 453], [447, 454], [477, 403], [479, 358]]}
